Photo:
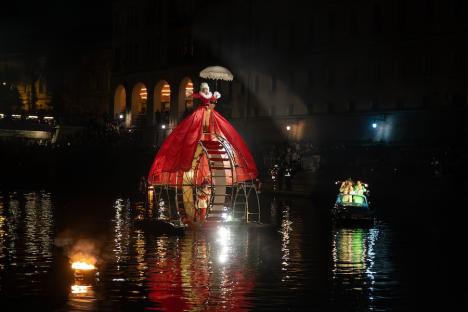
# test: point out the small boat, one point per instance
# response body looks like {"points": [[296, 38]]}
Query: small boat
{"points": [[352, 207]]}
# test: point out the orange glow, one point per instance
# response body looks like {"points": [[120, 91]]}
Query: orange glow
{"points": [[166, 90], [84, 266], [83, 261], [143, 93], [189, 89], [80, 289]]}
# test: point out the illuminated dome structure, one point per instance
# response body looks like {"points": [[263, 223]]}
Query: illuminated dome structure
{"points": [[216, 154]]}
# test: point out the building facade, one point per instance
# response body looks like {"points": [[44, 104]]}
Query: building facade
{"points": [[368, 70], [24, 83]]}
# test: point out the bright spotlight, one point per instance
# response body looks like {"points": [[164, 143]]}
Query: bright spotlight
{"points": [[224, 235], [121, 116], [374, 125], [163, 126], [288, 128], [226, 216]]}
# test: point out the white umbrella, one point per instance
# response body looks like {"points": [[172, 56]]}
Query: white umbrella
{"points": [[217, 73]]}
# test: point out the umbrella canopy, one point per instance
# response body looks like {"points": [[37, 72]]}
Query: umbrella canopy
{"points": [[217, 73]]}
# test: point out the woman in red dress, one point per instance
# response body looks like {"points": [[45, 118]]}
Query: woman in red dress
{"points": [[208, 101], [177, 152]]}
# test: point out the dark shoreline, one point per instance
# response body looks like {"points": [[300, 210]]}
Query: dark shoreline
{"points": [[105, 166]]}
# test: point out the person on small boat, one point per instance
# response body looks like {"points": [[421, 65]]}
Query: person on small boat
{"points": [[208, 100], [203, 195], [359, 188], [343, 186], [347, 190]]}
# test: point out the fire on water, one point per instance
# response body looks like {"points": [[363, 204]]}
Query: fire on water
{"points": [[80, 289], [81, 265]]}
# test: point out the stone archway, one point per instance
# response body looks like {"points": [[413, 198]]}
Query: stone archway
{"points": [[162, 102], [139, 103], [185, 104], [120, 96], [139, 99]]}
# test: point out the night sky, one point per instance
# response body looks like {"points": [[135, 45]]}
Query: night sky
{"points": [[40, 24]]}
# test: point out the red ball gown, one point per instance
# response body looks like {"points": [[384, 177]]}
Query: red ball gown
{"points": [[177, 152]]}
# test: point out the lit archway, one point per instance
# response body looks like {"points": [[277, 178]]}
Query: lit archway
{"points": [[120, 96], [162, 102], [185, 96], [139, 99]]}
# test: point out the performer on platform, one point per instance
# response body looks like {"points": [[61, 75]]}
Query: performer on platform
{"points": [[208, 100], [181, 154], [203, 196]]}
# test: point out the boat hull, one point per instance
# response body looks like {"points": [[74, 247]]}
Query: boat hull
{"points": [[349, 213]]}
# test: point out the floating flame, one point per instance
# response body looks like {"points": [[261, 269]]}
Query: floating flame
{"points": [[83, 261], [81, 265]]}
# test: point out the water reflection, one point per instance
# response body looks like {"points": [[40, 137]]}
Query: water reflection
{"points": [[217, 268], [82, 295], [38, 232], [82, 298], [224, 241], [285, 230], [13, 219], [199, 271], [354, 262], [121, 224], [26, 238], [2, 238]]}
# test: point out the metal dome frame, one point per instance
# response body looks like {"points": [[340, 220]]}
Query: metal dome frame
{"points": [[230, 199]]}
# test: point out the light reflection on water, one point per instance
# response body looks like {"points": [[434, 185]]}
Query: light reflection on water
{"points": [[361, 270], [2, 236], [27, 240], [285, 229], [218, 268]]}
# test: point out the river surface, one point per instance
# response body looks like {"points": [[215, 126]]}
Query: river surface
{"points": [[296, 261]]}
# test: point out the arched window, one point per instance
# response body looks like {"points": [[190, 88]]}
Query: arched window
{"points": [[185, 96], [139, 99], [120, 96], [162, 102]]}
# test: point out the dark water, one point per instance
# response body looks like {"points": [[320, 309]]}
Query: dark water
{"points": [[298, 261]]}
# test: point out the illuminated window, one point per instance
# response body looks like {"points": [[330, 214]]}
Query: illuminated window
{"points": [[143, 94], [188, 95], [165, 97], [143, 99]]}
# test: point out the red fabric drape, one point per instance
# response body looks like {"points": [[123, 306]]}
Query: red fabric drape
{"points": [[247, 168], [177, 151]]}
